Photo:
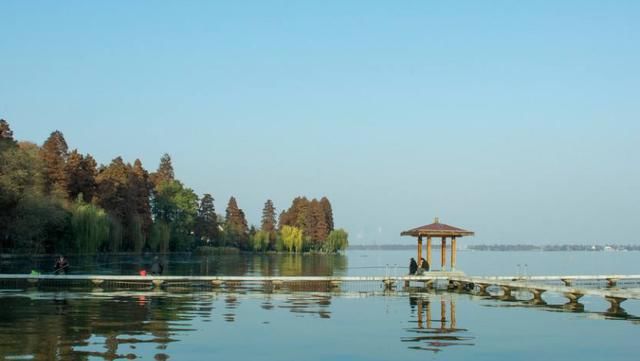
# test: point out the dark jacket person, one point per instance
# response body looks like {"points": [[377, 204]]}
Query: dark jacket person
{"points": [[156, 267], [61, 266], [424, 265], [413, 267]]}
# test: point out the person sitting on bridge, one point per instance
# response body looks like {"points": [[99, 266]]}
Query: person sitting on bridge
{"points": [[156, 267], [61, 266], [424, 265], [413, 267]]}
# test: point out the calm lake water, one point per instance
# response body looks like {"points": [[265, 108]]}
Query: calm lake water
{"points": [[48, 324]]}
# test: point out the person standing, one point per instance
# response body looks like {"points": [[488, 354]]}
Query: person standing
{"points": [[61, 266], [156, 267]]}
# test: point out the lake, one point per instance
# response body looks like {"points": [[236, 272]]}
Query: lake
{"points": [[49, 324]]}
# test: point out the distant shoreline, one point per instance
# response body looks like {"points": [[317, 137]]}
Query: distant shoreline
{"points": [[511, 247]]}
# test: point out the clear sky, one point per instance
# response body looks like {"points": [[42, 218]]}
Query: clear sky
{"points": [[516, 119]]}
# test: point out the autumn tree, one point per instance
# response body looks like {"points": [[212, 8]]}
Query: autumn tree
{"points": [[6, 136], [165, 171], [328, 212], [236, 230], [140, 193], [54, 153], [318, 229], [81, 175], [113, 196]]}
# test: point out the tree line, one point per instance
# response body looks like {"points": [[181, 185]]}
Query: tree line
{"points": [[56, 200]]}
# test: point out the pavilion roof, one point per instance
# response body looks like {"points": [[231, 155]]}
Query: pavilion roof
{"points": [[437, 229]]}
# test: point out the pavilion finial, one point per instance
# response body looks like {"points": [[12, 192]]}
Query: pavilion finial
{"points": [[436, 220]]}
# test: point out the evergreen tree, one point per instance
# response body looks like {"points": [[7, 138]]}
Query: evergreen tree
{"points": [[268, 217], [81, 176], [328, 213], [165, 171], [206, 228], [236, 224], [177, 207], [269, 223], [54, 154]]}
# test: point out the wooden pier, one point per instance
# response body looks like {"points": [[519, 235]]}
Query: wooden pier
{"points": [[536, 285]]}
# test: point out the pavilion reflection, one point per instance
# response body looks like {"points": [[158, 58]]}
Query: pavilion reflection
{"points": [[435, 334]]}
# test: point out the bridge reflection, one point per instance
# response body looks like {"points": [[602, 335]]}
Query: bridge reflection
{"points": [[435, 334]]}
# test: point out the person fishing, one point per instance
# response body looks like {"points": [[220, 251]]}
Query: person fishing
{"points": [[156, 267], [61, 266]]}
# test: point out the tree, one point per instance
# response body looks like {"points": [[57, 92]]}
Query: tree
{"points": [[54, 153], [337, 240], [260, 241], [177, 206], [268, 217], [41, 225], [81, 175], [165, 171], [269, 222], [318, 228], [20, 176], [206, 228], [90, 226], [236, 229], [291, 238], [113, 196], [139, 194], [6, 136], [328, 212]]}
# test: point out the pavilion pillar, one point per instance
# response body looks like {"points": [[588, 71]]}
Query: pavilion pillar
{"points": [[453, 253], [429, 251], [443, 252], [419, 249]]}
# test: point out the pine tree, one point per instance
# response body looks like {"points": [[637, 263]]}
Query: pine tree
{"points": [[268, 217], [54, 154], [206, 228]]}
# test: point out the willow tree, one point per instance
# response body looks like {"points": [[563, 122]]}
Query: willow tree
{"points": [[90, 227], [337, 240], [291, 238]]}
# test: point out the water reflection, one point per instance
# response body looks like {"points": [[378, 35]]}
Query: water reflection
{"points": [[435, 333], [613, 312], [188, 264]]}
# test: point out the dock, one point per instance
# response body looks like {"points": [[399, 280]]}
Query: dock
{"points": [[565, 285]]}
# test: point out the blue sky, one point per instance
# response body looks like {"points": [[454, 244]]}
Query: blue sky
{"points": [[516, 119]]}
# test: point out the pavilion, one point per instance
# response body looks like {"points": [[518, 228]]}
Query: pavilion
{"points": [[438, 230]]}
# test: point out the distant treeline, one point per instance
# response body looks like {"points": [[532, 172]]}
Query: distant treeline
{"points": [[552, 248], [509, 247], [56, 200]]}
